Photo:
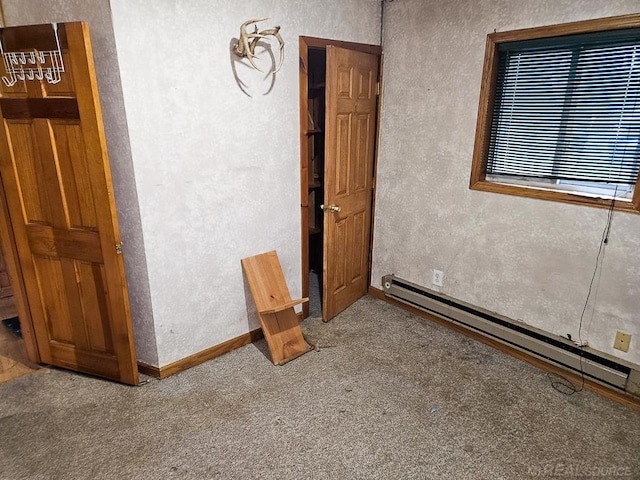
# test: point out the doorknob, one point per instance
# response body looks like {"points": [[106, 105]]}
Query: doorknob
{"points": [[330, 208]]}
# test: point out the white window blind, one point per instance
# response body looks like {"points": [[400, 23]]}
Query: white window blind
{"points": [[568, 108]]}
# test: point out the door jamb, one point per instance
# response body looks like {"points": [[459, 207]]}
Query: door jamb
{"points": [[10, 252], [305, 44]]}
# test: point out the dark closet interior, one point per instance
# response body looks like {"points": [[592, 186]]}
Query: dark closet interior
{"points": [[315, 143]]}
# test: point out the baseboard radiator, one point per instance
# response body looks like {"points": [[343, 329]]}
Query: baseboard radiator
{"points": [[596, 365]]}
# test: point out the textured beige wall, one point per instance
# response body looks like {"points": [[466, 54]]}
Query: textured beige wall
{"points": [[528, 259], [98, 15], [217, 171]]}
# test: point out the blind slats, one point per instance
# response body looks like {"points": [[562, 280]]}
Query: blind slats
{"points": [[568, 108]]}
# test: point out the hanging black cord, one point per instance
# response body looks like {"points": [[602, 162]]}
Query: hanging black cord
{"points": [[559, 382]]}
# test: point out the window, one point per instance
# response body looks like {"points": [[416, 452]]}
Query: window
{"points": [[559, 114]]}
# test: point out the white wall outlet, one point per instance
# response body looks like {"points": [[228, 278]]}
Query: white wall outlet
{"points": [[438, 278]]}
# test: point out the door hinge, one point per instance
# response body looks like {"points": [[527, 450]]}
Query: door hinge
{"points": [[119, 248], [378, 88]]}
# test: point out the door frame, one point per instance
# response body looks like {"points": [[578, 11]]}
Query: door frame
{"points": [[306, 44]]}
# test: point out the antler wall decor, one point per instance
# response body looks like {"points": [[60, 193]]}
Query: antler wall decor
{"points": [[247, 43]]}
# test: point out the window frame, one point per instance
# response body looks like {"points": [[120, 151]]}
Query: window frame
{"points": [[478, 179]]}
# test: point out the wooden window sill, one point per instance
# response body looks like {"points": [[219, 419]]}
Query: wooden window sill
{"points": [[564, 197]]}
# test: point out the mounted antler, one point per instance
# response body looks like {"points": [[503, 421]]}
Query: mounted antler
{"points": [[247, 43]]}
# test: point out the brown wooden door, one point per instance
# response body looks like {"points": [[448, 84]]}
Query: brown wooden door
{"points": [[55, 172], [350, 126]]}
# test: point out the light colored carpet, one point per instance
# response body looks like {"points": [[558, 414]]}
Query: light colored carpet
{"points": [[390, 396], [315, 296]]}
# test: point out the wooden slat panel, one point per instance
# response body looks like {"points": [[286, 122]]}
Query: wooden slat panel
{"points": [[365, 84], [285, 306], [52, 297], [269, 290], [266, 271], [343, 156], [74, 303], [95, 311], [24, 165], [345, 84], [48, 175], [74, 358], [285, 336], [61, 243], [362, 153], [102, 293], [360, 234], [74, 175], [340, 259], [24, 108]]}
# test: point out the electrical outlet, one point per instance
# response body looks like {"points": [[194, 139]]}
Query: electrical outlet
{"points": [[438, 278], [622, 341]]}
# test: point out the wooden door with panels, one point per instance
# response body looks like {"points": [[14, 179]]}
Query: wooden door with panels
{"points": [[62, 217], [350, 132]]}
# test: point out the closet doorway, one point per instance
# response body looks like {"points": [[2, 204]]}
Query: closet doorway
{"points": [[339, 103]]}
